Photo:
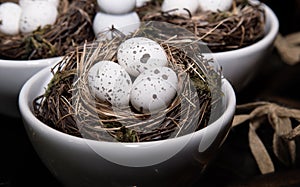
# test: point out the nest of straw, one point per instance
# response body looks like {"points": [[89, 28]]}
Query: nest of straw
{"points": [[241, 26], [72, 28], [68, 106]]}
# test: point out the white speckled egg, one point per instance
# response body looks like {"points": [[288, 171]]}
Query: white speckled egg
{"points": [[139, 54], [108, 81], [116, 6], [126, 23], [215, 5], [24, 3], [154, 89], [36, 15], [181, 5], [9, 18]]}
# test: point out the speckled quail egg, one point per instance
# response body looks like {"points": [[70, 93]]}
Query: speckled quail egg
{"points": [[108, 81], [125, 23], [24, 3], [9, 18], [36, 15], [154, 89], [139, 54], [191, 5], [215, 5], [116, 6]]}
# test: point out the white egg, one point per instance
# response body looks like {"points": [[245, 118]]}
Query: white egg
{"points": [[215, 5], [24, 3], [126, 23], [116, 6], [181, 5], [154, 89], [9, 18], [138, 54], [140, 3], [108, 81], [36, 15]]}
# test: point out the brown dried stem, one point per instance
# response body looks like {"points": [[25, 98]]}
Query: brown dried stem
{"points": [[241, 26], [72, 28], [68, 106]]}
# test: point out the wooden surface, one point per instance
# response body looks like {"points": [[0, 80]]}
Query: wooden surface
{"points": [[233, 165]]}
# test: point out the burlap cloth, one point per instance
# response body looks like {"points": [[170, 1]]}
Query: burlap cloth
{"points": [[289, 47]]}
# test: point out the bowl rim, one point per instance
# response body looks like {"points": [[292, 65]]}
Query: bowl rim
{"points": [[271, 34], [29, 63], [268, 38], [27, 114]]}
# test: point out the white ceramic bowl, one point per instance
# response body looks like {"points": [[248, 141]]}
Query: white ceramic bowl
{"points": [[13, 74], [81, 162], [240, 66]]}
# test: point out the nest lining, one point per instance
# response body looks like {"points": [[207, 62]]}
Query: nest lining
{"points": [[241, 26], [72, 28], [68, 106]]}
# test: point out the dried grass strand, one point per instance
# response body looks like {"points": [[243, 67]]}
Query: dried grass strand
{"points": [[68, 105], [238, 27]]}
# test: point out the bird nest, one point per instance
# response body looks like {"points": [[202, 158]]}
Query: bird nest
{"points": [[72, 28], [68, 105], [242, 25]]}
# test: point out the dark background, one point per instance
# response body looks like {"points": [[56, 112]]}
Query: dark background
{"points": [[232, 166], [288, 13]]}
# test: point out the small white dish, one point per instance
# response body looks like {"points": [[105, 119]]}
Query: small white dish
{"points": [[82, 162], [240, 66], [13, 74]]}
